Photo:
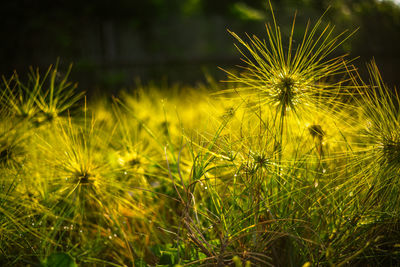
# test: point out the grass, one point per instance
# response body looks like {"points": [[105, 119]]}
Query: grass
{"points": [[295, 162]]}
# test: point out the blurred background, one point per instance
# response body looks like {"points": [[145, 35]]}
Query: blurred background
{"points": [[114, 43]]}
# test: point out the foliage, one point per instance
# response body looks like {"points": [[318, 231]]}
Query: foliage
{"points": [[289, 164]]}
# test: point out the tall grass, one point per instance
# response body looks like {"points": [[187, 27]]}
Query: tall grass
{"points": [[294, 162]]}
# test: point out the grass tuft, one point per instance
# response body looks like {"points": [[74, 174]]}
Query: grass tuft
{"points": [[297, 165]]}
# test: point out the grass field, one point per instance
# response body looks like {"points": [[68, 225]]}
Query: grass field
{"points": [[294, 161]]}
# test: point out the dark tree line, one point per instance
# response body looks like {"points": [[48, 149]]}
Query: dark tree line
{"points": [[37, 32]]}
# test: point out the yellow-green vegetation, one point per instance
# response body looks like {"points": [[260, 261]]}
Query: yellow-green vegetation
{"points": [[295, 162]]}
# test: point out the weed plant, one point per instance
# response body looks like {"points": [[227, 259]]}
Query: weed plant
{"points": [[294, 162]]}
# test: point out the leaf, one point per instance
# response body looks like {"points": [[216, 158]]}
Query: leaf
{"points": [[140, 263], [59, 259]]}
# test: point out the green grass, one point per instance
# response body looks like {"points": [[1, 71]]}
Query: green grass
{"points": [[295, 162]]}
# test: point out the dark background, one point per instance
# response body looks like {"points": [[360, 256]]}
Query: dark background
{"points": [[112, 43]]}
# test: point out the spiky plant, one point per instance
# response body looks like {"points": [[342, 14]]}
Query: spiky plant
{"points": [[369, 178], [85, 199], [288, 76], [11, 151], [43, 97], [12, 139], [57, 95], [236, 209], [381, 137]]}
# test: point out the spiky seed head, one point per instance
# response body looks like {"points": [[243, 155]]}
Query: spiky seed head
{"points": [[260, 160], [84, 178], [10, 152], [381, 108], [6, 154], [131, 160], [286, 91], [391, 152], [289, 76], [316, 131]]}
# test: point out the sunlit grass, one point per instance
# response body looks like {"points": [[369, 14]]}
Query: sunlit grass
{"points": [[297, 165], [292, 77]]}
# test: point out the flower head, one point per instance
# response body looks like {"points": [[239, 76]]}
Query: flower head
{"points": [[380, 152], [292, 78]]}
